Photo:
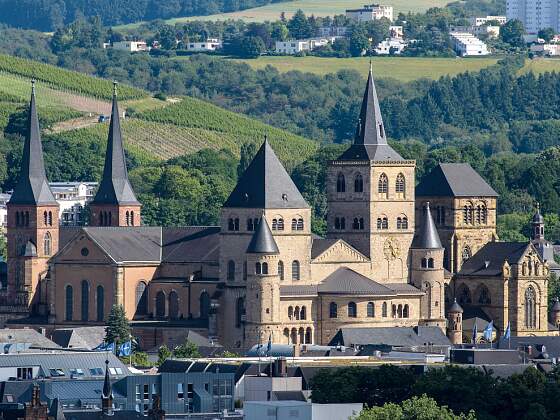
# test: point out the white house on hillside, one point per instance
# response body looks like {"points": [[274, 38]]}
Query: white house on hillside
{"points": [[211, 44], [466, 45], [297, 46], [132, 46], [370, 12]]}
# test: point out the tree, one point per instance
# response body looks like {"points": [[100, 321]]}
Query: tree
{"points": [[547, 34], [512, 33], [187, 350], [163, 354], [280, 31], [139, 358], [359, 42], [299, 26], [167, 37], [3, 248], [118, 329]]}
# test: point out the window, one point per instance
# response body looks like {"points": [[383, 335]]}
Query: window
{"points": [[96, 371], [296, 313], [358, 183], [352, 310], [402, 223], [484, 296], [340, 183], [45, 217], [358, 223], [400, 185], [173, 302], [370, 310], [333, 310], [290, 312], [340, 223], [530, 308], [233, 224], [440, 215], [382, 223], [69, 303], [47, 244], [264, 268], [258, 268], [251, 225], [384, 310], [464, 295], [430, 263], [278, 223], [160, 304], [394, 311], [57, 372], [204, 302], [295, 270], [299, 224], [127, 217], [303, 313], [100, 299], [466, 253], [468, 214], [424, 263], [231, 270], [406, 311], [24, 373], [180, 391], [141, 298], [281, 270], [85, 300], [383, 185]]}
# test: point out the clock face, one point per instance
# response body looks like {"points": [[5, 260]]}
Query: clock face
{"points": [[391, 249]]}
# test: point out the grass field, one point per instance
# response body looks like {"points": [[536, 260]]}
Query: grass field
{"points": [[315, 7], [542, 65], [400, 68]]}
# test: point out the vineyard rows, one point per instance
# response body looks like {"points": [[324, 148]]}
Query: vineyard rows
{"points": [[48, 115]]}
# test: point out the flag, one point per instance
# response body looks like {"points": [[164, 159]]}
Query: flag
{"points": [[269, 345], [105, 347], [507, 334], [125, 349], [474, 333], [488, 331]]}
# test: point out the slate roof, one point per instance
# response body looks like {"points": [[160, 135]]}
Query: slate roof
{"points": [[427, 237], [126, 244], [455, 307], [454, 180], [83, 338], [262, 241], [299, 290], [190, 244], [24, 335], [551, 344], [115, 187], [370, 142], [348, 282], [265, 184], [488, 261], [404, 289], [394, 336], [32, 187], [320, 245]]}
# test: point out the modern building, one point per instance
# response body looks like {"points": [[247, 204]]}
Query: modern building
{"points": [[298, 46], [131, 46], [370, 12], [482, 30], [336, 31], [283, 410], [396, 31], [211, 44], [390, 46], [479, 21], [467, 45], [535, 14], [550, 50]]}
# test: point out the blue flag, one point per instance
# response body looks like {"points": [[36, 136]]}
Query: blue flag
{"points": [[269, 345], [105, 347], [507, 334], [125, 349], [474, 333], [488, 331]]}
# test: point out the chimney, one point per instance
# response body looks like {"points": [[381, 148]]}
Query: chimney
{"points": [[296, 350], [281, 367]]}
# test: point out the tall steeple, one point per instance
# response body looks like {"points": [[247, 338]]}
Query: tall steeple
{"points": [[370, 140], [537, 225], [32, 187], [115, 203], [107, 395], [428, 237]]}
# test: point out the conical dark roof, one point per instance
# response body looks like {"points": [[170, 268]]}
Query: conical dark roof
{"points": [[370, 142], [455, 308], [266, 185], [32, 187], [107, 390], [115, 187], [428, 237], [538, 218], [262, 241]]}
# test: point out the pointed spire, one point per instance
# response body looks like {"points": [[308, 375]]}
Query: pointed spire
{"points": [[371, 129], [107, 390], [32, 187], [262, 241], [538, 218], [115, 187], [428, 237], [455, 308]]}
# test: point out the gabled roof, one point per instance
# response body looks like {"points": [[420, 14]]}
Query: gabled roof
{"points": [[115, 187], [394, 336], [265, 184], [128, 244], [489, 260], [348, 282], [320, 245], [428, 237], [454, 180], [32, 187], [370, 142], [83, 338], [262, 241]]}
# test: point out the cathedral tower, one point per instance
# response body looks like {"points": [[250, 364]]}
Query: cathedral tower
{"points": [[427, 273], [32, 221], [370, 192], [455, 323], [263, 287], [115, 203]]}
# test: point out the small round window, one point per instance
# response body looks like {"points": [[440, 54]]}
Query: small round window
{"points": [[85, 252]]}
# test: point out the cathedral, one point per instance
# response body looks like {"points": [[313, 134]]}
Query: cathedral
{"points": [[395, 253]]}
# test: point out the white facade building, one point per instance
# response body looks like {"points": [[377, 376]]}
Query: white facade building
{"points": [[370, 12], [391, 44], [326, 31], [535, 14], [211, 44], [132, 46], [490, 31], [467, 45], [479, 21], [297, 46], [551, 50], [396, 31]]}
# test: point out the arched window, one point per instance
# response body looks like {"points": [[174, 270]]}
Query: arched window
{"points": [[233, 224], [440, 215], [424, 263], [141, 298], [69, 303], [303, 313], [85, 300], [352, 310], [358, 223], [46, 218], [131, 218], [204, 305], [406, 311], [383, 185], [430, 263], [239, 312], [160, 304], [384, 310], [287, 335], [231, 270], [370, 310], [281, 270], [464, 295], [277, 223], [173, 299], [308, 336], [296, 313], [295, 270], [47, 243], [280, 224], [300, 224], [26, 218], [290, 312], [333, 310], [340, 223], [382, 223], [294, 224], [484, 296], [399, 311], [468, 214], [258, 268], [358, 183], [245, 270], [293, 336], [101, 220], [466, 253], [340, 183], [100, 299], [484, 214], [402, 222], [264, 268], [530, 308], [251, 225], [127, 218], [400, 185]]}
